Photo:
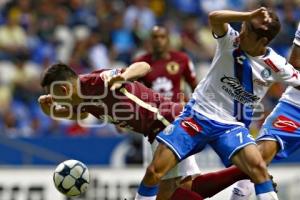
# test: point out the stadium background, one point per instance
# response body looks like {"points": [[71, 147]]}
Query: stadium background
{"points": [[88, 35]]}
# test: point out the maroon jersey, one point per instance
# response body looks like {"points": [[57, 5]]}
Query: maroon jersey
{"points": [[167, 75], [133, 107]]}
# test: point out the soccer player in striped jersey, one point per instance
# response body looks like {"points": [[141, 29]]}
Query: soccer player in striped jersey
{"points": [[279, 137], [280, 133], [108, 96], [243, 69]]}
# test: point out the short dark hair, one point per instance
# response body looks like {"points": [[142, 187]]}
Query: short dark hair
{"points": [[273, 27], [57, 72]]}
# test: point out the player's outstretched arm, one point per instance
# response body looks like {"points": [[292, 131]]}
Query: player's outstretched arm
{"points": [[218, 19], [133, 72], [136, 70], [49, 108]]}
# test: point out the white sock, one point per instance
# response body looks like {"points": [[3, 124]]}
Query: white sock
{"points": [[140, 197], [267, 196], [242, 190]]}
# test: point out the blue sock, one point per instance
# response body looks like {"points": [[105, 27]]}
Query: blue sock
{"points": [[264, 187], [147, 191]]}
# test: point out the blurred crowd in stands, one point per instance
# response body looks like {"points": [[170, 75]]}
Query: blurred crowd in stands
{"points": [[92, 34]]}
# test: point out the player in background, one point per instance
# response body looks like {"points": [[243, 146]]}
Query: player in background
{"points": [[170, 70], [279, 137], [221, 108], [106, 95]]}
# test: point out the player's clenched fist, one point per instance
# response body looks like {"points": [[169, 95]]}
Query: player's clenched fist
{"points": [[47, 103], [45, 100]]}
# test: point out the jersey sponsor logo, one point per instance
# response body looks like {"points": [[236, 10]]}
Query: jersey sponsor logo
{"points": [[163, 85], [190, 126], [286, 124], [266, 73], [172, 68], [234, 88]]}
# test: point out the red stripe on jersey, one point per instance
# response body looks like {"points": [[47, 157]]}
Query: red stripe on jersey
{"points": [[272, 65]]}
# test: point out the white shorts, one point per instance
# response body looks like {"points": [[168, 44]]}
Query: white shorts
{"points": [[187, 167]]}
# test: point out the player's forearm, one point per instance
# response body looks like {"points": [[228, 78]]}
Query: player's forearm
{"points": [[219, 20], [226, 16], [136, 70]]}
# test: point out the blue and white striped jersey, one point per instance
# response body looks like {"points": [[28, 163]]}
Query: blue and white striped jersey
{"points": [[237, 82]]}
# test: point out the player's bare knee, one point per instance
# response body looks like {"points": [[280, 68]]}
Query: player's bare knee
{"points": [[153, 173], [259, 171]]}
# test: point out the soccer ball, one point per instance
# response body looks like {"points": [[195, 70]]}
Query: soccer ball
{"points": [[71, 178]]}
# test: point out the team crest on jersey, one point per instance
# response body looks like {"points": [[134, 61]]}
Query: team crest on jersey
{"points": [[286, 124], [266, 73], [169, 129], [172, 68], [190, 126]]}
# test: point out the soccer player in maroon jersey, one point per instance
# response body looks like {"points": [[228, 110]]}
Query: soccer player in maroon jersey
{"points": [[169, 69], [106, 95]]}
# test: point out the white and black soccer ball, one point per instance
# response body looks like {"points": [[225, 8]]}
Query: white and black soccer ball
{"points": [[71, 177]]}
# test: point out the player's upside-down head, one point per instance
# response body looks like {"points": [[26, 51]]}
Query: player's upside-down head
{"points": [[256, 34], [61, 82]]}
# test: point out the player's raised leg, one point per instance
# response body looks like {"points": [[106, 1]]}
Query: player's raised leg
{"points": [[164, 160], [209, 184]]}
